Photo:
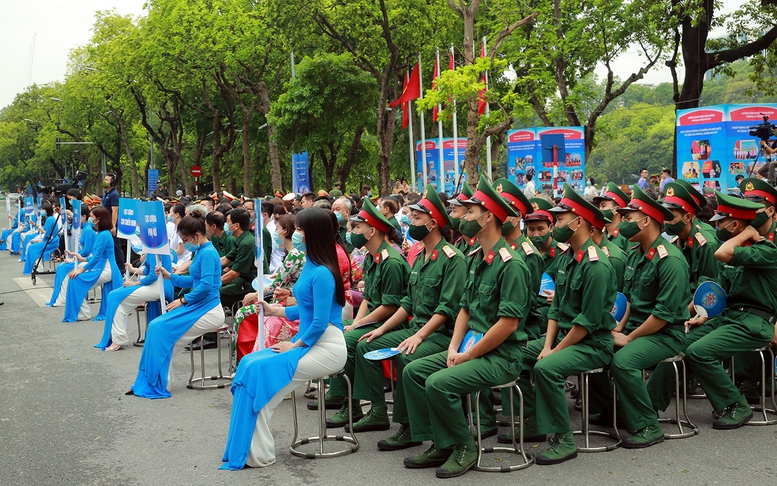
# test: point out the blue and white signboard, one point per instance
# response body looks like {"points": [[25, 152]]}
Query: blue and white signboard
{"points": [[153, 227], [300, 173]]}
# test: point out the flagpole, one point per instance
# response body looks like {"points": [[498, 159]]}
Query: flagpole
{"points": [[423, 128], [441, 162], [488, 111], [412, 142], [455, 140]]}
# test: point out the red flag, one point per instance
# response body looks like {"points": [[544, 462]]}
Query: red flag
{"points": [[405, 114], [435, 75], [482, 94], [412, 89]]}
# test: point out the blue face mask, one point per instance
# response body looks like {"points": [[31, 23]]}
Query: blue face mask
{"points": [[170, 218], [296, 242], [404, 220], [348, 238], [227, 230], [339, 217], [190, 246], [278, 239]]}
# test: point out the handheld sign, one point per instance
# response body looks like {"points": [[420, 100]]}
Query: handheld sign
{"points": [[619, 308], [547, 284], [127, 224], [76, 205], [470, 339], [709, 300], [381, 354], [8, 209], [153, 234], [63, 222], [29, 206]]}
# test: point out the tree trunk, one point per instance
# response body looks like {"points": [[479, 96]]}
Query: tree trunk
{"points": [[130, 158], [350, 157], [246, 152], [275, 163]]}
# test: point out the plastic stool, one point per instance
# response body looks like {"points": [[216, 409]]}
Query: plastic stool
{"points": [[322, 435]]}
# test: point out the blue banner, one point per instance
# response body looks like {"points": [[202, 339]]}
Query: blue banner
{"points": [[524, 158], [714, 144], [153, 227], [127, 221], [76, 204], [432, 164], [300, 173], [153, 181]]}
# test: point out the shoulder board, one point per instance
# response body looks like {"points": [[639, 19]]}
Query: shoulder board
{"points": [[473, 252], [662, 251], [504, 253], [449, 251], [592, 255], [701, 239], [674, 240], [634, 247], [562, 246], [384, 254], [526, 246], [606, 250]]}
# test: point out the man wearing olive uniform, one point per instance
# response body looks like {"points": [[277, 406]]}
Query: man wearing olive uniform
{"points": [[579, 334], [698, 248], [656, 286], [385, 285], [538, 229], [614, 253], [493, 306], [464, 244], [432, 299], [749, 278], [612, 199], [700, 200]]}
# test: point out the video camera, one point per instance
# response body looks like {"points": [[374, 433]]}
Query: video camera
{"points": [[764, 131], [76, 183]]}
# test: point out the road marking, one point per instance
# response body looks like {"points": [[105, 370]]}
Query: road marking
{"points": [[40, 293]]}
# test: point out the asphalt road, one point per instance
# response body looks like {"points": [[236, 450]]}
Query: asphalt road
{"points": [[64, 419]]}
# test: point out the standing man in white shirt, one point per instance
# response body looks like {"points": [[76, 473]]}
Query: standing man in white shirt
{"points": [[276, 257]]}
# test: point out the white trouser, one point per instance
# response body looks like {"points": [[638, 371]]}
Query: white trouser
{"points": [[209, 322], [86, 312], [141, 294], [327, 356], [60, 302]]}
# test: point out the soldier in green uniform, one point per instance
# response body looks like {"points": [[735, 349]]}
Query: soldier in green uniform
{"points": [[238, 264], [513, 235], [762, 192], [698, 248], [432, 300], [749, 278], [700, 201], [612, 199], [458, 211], [579, 334], [614, 253], [385, 285], [223, 243], [492, 312], [538, 229], [656, 286]]}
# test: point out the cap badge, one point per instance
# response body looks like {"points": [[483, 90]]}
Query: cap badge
{"points": [[535, 206], [670, 191], [749, 186], [499, 188]]}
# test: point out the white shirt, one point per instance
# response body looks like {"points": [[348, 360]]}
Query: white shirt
{"points": [[530, 191], [278, 252]]}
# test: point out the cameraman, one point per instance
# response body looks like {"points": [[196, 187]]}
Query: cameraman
{"points": [[767, 170]]}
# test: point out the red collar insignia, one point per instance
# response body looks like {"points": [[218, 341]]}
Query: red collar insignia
{"points": [[651, 254], [552, 252], [490, 257], [579, 256], [434, 255], [690, 242], [514, 245]]}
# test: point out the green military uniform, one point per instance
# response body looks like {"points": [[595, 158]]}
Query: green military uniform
{"points": [[698, 248], [434, 287], [496, 287], [385, 284], [614, 193], [656, 284], [242, 258], [747, 323], [700, 200], [223, 244], [617, 259]]}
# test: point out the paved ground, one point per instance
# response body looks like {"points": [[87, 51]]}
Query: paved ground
{"points": [[64, 419]]}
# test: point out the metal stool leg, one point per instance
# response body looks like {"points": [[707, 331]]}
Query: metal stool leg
{"points": [[681, 395], [762, 405], [586, 431], [322, 435], [201, 379]]}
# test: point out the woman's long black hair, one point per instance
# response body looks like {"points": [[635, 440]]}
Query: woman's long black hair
{"points": [[316, 223], [339, 242]]}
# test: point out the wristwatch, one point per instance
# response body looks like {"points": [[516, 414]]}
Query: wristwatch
{"points": [[183, 300]]}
